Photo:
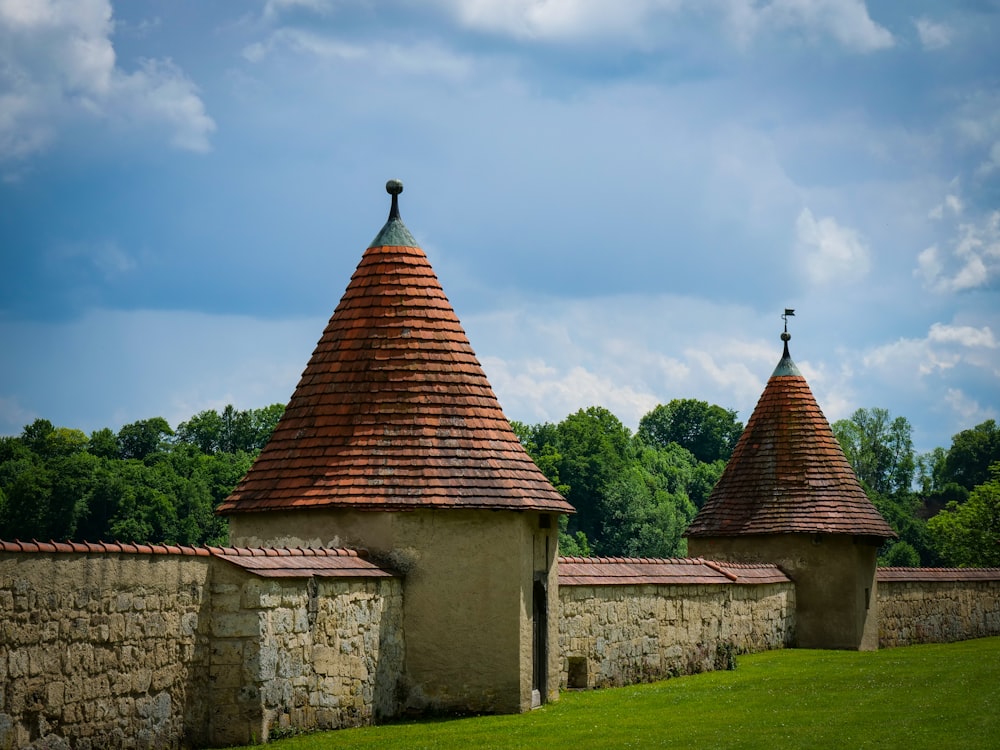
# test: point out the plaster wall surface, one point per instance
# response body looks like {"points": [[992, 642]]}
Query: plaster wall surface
{"points": [[916, 611], [620, 635], [834, 575], [468, 581]]}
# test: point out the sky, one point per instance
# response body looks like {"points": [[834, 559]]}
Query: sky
{"points": [[620, 199]]}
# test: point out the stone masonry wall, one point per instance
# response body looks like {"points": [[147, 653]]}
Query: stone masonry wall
{"points": [[179, 649], [620, 635], [101, 651], [330, 653], [937, 611]]}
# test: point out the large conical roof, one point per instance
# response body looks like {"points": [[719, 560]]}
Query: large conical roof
{"points": [[393, 410], [788, 473]]}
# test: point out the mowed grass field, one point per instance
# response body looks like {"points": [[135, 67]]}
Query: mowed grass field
{"points": [[943, 696]]}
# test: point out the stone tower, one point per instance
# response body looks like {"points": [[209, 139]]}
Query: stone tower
{"points": [[395, 442], [788, 496]]}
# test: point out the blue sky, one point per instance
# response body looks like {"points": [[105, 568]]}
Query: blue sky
{"points": [[620, 199]]}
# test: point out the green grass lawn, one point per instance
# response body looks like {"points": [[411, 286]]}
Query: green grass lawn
{"points": [[936, 696]]}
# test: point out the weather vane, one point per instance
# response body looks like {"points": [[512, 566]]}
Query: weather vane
{"points": [[789, 312]]}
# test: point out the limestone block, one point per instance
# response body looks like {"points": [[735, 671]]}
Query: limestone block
{"points": [[260, 661], [227, 651], [259, 593], [163, 678], [236, 624], [301, 623], [224, 676]]}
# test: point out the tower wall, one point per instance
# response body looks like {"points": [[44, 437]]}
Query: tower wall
{"points": [[469, 588], [834, 576]]}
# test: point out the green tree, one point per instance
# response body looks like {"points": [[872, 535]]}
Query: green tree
{"points": [[203, 430], [34, 435], [707, 430], [900, 554], [103, 443], [968, 534], [879, 449], [972, 452], [142, 439], [594, 447], [232, 431]]}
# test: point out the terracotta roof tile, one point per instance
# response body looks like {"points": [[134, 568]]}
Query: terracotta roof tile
{"points": [[788, 473], [913, 575], [267, 562], [684, 571], [393, 410]]}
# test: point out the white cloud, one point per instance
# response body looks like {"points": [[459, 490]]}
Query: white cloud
{"points": [[973, 261], [846, 21], [549, 358], [976, 123], [967, 409], [828, 251], [58, 64], [275, 8], [419, 59], [933, 36], [943, 348], [968, 336], [557, 19], [549, 394], [952, 205]]}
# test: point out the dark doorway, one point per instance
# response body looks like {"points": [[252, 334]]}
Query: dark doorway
{"points": [[540, 638]]}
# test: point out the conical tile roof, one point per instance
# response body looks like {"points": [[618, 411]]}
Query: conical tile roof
{"points": [[788, 473], [393, 410]]}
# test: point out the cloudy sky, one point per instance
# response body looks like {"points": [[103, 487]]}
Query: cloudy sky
{"points": [[620, 198]]}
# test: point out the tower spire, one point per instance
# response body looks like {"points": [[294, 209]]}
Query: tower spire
{"points": [[785, 335]]}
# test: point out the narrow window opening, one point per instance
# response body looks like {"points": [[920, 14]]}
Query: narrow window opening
{"points": [[577, 672]]}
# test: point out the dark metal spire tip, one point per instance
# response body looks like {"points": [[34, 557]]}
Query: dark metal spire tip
{"points": [[394, 188]]}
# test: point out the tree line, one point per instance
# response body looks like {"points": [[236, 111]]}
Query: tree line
{"points": [[145, 483], [634, 493]]}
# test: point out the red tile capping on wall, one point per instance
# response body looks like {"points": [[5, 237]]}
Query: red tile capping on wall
{"points": [[904, 575], [628, 571], [300, 562]]}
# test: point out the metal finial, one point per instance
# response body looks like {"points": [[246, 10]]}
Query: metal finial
{"points": [[785, 335], [394, 188], [788, 314]]}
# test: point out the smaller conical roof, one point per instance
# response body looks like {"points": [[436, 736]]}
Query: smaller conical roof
{"points": [[788, 473], [393, 411]]}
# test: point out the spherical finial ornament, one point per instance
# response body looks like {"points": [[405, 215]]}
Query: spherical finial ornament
{"points": [[786, 336], [394, 187]]}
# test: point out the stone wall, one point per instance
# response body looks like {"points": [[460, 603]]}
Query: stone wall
{"points": [[126, 646], [340, 656], [623, 633], [936, 605], [103, 651], [162, 647]]}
